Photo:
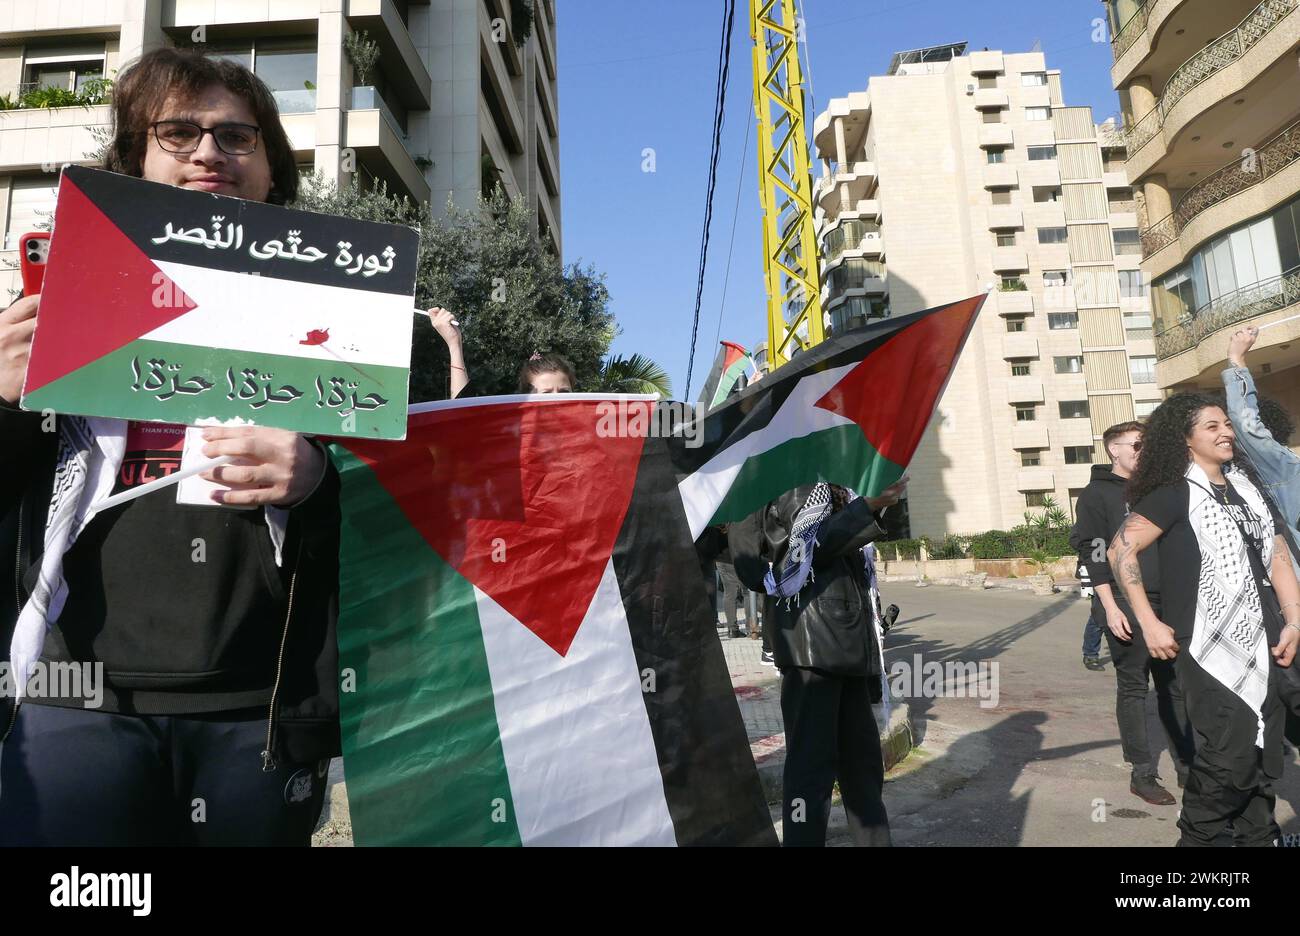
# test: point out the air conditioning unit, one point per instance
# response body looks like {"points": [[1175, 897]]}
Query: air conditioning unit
{"points": [[970, 89]]}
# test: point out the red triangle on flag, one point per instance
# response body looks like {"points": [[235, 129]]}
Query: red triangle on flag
{"points": [[101, 292], [525, 500], [904, 375]]}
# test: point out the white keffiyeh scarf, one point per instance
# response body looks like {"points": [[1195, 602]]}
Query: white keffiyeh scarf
{"points": [[1229, 641]]}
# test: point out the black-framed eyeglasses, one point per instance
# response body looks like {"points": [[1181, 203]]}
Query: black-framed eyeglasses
{"points": [[182, 136]]}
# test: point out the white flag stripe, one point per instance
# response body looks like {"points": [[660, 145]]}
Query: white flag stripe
{"points": [[704, 490], [268, 315], [576, 738]]}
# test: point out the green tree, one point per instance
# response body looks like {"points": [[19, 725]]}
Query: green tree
{"points": [[511, 295], [635, 374]]}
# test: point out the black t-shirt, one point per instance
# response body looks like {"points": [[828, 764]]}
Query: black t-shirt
{"points": [[1180, 555]]}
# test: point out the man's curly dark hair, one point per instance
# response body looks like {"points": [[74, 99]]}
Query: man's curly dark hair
{"points": [[1276, 420], [1164, 455]]}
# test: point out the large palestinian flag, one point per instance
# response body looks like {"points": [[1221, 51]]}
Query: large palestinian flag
{"points": [[165, 304], [850, 411], [523, 617]]}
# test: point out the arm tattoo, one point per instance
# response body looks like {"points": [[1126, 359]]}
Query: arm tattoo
{"points": [[1124, 563]]}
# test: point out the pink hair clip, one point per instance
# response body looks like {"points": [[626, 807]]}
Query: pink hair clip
{"points": [[537, 356]]}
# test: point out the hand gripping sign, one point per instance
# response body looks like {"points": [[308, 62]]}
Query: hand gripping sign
{"points": [[163, 304]]}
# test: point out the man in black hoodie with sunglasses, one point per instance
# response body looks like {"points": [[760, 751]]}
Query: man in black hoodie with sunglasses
{"points": [[1099, 513]]}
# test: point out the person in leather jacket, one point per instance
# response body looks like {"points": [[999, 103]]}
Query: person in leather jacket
{"points": [[822, 640]]}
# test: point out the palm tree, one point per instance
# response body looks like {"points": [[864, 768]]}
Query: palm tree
{"points": [[634, 374]]}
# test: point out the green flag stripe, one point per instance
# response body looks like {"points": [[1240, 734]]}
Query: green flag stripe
{"points": [[421, 744], [104, 388], [728, 380], [841, 456]]}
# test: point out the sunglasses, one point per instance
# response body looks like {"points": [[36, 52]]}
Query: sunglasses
{"points": [[182, 136], [1137, 446]]}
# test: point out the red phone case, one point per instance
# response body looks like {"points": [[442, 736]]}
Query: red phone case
{"points": [[34, 251]]}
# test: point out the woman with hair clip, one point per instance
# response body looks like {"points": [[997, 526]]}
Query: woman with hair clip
{"points": [[1231, 615]]}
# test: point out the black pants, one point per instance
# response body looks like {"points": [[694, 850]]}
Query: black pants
{"points": [[830, 734], [77, 777], [733, 594], [1231, 781], [1135, 669]]}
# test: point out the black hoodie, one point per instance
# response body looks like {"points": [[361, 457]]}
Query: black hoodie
{"points": [[1100, 511]]}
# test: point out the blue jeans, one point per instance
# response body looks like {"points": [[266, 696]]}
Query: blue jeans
{"points": [[1092, 638]]}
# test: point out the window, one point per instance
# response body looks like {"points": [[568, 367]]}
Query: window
{"points": [[1036, 498], [1046, 193], [1030, 460], [1078, 454], [1053, 278], [1051, 235], [1038, 113], [1071, 364], [997, 156], [1026, 414], [1127, 241], [1120, 199], [1059, 321], [988, 81], [1144, 408], [65, 67], [1033, 79], [1074, 409], [1015, 323], [1001, 196], [1132, 284], [287, 66], [1142, 368], [1019, 370], [1006, 238], [993, 116], [1037, 153]]}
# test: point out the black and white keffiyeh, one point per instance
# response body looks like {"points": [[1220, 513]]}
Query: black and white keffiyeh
{"points": [[1228, 640]]}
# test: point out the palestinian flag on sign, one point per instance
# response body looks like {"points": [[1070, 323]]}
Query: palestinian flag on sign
{"points": [[850, 411], [728, 372], [165, 304], [524, 616]]}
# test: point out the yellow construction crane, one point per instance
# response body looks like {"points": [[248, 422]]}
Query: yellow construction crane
{"points": [[793, 274]]}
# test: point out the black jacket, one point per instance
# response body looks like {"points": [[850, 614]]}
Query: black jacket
{"points": [[830, 627], [1100, 512], [223, 645]]}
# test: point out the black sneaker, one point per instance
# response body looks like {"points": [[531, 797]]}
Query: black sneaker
{"points": [[1094, 664], [1149, 789], [767, 659]]}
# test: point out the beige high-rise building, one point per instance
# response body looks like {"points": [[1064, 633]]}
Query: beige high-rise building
{"points": [[1210, 91], [454, 105], [956, 174]]}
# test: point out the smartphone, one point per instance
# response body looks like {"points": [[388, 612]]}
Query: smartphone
{"points": [[35, 253]]}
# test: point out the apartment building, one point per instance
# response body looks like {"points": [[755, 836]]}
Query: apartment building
{"points": [[1210, 93], [959, 173], [457, 102]]}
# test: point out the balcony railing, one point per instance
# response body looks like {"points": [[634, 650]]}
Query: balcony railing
{"points": [[848, 236], [1215, 57], [1237, 176], [1246, 303], [1129, 32]]}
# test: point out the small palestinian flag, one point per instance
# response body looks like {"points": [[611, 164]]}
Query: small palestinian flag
{"points": [[850, 411], [728, 374], [525, 620], [170, 305]]}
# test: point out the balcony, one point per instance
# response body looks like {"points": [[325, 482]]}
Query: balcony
{"points": [[1129, 33], [40, 138], [381, 148], [1223, 52], [1003, 217], [851, 238], [990, 99], [1014, 302], [986, 63], [1236, 177], [406, 71], [1000, 175], [1035, 479], [1273, 295], [1010, 260], [1029, 435], [857, 179], [1024, 390], [1016, 345], [995, 136]]}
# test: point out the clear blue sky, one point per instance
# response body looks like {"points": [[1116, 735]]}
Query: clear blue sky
{"points": [[637, 75]]}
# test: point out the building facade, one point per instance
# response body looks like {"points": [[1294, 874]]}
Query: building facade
{"points": [[455, 104], [956, 174], [1210, 93]]}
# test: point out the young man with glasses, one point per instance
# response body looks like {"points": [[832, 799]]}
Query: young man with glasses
{"points": [[1100, 512], [220, 696]]}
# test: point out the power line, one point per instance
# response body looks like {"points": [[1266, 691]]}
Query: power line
{"points": [[719, 106]]}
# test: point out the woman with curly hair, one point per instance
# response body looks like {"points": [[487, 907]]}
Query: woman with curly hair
{"points": [[1229, 595]]}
